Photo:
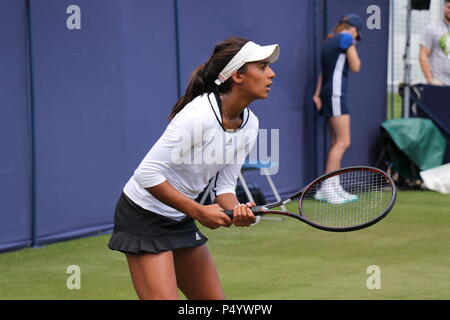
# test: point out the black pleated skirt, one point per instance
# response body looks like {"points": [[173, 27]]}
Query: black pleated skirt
{"points": [[139, 231]]}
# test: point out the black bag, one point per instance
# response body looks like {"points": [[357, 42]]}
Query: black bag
{"points": [[255, 191]]}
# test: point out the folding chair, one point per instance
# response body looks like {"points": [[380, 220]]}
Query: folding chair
{"points": [[265, 172]]}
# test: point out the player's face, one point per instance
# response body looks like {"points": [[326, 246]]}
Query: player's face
{"points": [[257, 79], [447, 11]]}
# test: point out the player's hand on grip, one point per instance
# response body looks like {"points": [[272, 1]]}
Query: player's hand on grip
{"points": [[213, 217], [243, 215]]}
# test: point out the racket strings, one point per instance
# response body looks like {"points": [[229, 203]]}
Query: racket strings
{"points": [[349, 199]]}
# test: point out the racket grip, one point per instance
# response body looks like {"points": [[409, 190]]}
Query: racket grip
{"points": [[257, 211], [229, 213]]}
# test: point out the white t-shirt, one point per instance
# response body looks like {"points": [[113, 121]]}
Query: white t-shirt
{"points": [[193, 150], [437, 38]]}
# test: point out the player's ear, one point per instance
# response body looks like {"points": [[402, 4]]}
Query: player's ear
{"points": [[238, 77]]}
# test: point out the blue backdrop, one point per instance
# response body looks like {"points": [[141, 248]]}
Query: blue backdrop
{"points": [[81, 107], [15, 134]]}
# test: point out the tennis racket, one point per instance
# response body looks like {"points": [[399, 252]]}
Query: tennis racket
{"points": [[344, 200]]}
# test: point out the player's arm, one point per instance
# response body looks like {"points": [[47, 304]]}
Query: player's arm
{"points": [[210, 216], [242, 215], [227, 201], [225, 195], [151, 173]]}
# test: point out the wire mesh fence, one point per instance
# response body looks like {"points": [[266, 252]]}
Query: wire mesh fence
{"points": [[420, 19]]}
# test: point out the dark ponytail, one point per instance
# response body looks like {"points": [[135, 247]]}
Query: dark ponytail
{"points": [[203, 77]]}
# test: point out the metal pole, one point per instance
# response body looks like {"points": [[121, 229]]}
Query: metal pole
{"points": [[272, 186], [407, 74], [392, 31], [34, 218], [246, 189]]}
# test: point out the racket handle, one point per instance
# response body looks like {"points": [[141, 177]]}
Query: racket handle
{"points": [[257, 211]]}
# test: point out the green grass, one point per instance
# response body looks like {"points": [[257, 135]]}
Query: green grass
{"points": [[397, 113], [272, 260]]}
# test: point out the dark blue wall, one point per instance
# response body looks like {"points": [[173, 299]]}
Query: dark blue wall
{"points": [[100, 97], [80, 108], [15, 134]]}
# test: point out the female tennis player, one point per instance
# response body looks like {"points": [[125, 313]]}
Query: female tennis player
{"points": [[155, 215], [339, 54]]}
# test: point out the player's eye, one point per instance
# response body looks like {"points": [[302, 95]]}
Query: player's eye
{"points": [[263, 65]]}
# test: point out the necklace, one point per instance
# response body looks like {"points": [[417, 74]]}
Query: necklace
{"points": [[225, 115], [229, 120]]}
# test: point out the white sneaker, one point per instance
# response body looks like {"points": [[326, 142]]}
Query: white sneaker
{"points": [[324, 192], [330, 196], [320, 195], [344, 194]]}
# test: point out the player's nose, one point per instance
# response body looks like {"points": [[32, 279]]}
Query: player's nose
{"points": [[271, 73]]}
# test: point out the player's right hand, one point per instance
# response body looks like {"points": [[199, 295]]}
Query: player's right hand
{"points": [[212, 216]]}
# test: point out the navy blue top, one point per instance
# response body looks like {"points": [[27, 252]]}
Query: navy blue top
{"points": [[335, 65]]}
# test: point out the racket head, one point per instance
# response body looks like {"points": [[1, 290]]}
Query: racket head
{"points": [[348, 199]]}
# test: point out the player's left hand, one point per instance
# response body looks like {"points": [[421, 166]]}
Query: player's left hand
{"points": [[243, 216]]}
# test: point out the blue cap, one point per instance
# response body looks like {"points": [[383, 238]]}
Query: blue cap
{"points": [[353, 20]]}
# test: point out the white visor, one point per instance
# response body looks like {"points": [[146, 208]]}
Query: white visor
{"points": [[250, 52]]}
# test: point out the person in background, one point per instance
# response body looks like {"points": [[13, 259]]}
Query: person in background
{"points": [[434, 55], [339, 55]]}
